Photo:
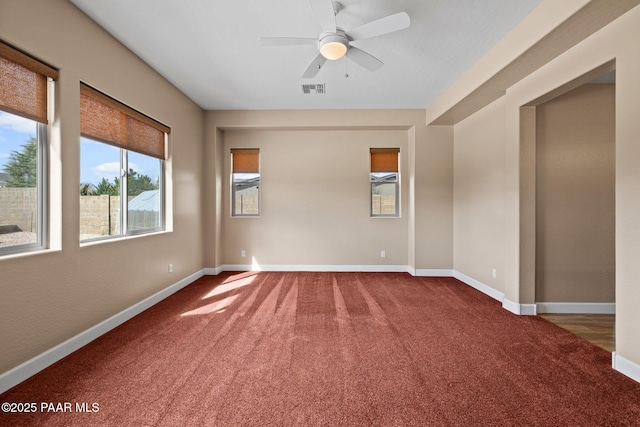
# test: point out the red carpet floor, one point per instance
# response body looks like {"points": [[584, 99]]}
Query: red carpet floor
{"points": [[331, 349]]}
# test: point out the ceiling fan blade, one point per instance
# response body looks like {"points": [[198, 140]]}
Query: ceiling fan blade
{"points": [[381, 26], [285, 41], [314, 67], [325, 14], [364, 59]]}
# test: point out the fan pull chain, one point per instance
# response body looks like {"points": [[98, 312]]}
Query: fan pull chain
{"points": [[337, 7]]}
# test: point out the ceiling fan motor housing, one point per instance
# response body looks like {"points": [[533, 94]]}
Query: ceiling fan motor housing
{"points": [[333, 45]]}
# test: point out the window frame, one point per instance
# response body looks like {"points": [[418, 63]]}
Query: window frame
{"points": [[124, 182], [42, 202], [123, 217], [42, 187], [100, 108], [380, 166], [396, 183], [37, 110], [234, 184]]}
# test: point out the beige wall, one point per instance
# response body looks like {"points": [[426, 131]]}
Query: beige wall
{"points": [[612, 44], [478, 236], [575, 196], [334, 228], [49, 297], [434, 201], [315, 200]]}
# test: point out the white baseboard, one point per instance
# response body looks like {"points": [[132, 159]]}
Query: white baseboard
{"points": [[315, 268], [433, 272], [212, 271], [577, 307], [516, 308], [485, 289], [31, 367], [519, 309], [329, 268], [625, 366]]}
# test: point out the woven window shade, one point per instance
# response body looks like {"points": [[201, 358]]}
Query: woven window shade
{"points": [[246, 160], [23, 84], [384, 159], [107, 120]]}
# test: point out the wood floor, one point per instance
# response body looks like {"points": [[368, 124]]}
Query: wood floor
{"points": [[598, 329]]}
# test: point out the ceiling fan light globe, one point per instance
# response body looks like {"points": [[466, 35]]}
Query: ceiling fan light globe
{"points": [[333, 50], [333, 47]]}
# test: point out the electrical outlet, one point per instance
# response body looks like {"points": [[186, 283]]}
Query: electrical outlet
{"points": [[383, 254], [170, 268], [493, 273], [243, 253]]}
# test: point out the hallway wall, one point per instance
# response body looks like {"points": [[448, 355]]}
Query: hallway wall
{"points": [[575, 196]]}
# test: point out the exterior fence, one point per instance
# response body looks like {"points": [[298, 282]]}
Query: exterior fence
{"points": [[19, 207], [98, 214], [383, 205]]}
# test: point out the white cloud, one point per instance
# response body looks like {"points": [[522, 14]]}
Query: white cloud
{"points": [[107, 170], [5, 155], [110, 167], [17, 123], [111, 170]]}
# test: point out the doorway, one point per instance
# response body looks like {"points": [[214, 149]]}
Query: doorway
{"points": [[575, 207]]}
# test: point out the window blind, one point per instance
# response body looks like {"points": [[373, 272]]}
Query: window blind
{"points": [[384, 159], [23, 84], [246, 160], [108, 120]]}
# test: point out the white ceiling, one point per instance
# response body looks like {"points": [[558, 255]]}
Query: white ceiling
{"points": [[209, 48]]}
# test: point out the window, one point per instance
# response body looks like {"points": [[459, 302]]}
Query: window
{"points": [[24, 89], [122, 155], [245, 178], [384, 178]]}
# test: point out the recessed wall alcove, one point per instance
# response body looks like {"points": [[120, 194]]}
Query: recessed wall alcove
{"points": [[567, 196]]}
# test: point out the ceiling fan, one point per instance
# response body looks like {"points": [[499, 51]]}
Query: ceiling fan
{"points": [[334, 43]]}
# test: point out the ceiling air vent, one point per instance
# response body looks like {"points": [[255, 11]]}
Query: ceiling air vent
{"points": [[316, 88]]}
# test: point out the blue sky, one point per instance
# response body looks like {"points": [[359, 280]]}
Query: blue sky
{"points": [[97, 160], [14, 131]]}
